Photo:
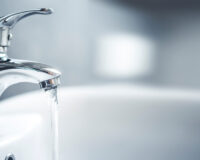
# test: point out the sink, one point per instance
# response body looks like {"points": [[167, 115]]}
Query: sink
{"points": [[25, 128], [127, 122], [109, 122]]}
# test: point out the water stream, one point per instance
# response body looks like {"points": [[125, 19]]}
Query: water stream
{"points": [[53, 103]]}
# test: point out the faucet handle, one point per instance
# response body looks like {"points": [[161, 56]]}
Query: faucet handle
{"points": [[8, 22], [11, 19]]}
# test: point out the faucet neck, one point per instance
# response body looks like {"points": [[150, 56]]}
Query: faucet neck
{"points": [[3, 54], [5, 38], [3, 57]]}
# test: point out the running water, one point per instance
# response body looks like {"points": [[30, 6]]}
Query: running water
{"points": [[53, 103]]}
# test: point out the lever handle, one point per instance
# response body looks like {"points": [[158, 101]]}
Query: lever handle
{"points": [[11, 19], [8, 22]]}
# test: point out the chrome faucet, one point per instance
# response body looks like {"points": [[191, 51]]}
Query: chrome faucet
{"points": [[14, 71]]}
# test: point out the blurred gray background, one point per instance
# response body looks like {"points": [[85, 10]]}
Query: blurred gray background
{"points": [[154, 42]]}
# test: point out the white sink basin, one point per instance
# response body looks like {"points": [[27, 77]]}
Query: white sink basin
{"points": [[118, 122], [25, 128], [129, 122]]}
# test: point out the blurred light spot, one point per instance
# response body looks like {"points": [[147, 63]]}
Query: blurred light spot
{"points": [[124, 55]]}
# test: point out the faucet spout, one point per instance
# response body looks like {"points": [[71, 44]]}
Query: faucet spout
{"points": [[18, 71], [14, 71]]}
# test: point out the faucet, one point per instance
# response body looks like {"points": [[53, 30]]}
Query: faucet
{"points": [[13, 71]]}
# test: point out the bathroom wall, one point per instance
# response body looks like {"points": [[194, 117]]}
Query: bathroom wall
{"points": [[158, 42]]}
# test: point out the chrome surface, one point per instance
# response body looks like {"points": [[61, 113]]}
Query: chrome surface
{"points": [[14, 71], [9, 21], [10, 157], [18, 71]]}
